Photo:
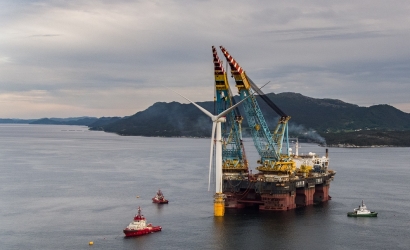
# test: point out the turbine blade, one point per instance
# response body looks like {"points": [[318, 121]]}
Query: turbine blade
{"points": [[232, 107], [211, 154], [199, 107]]}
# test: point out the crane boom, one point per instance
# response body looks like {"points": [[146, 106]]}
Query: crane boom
{"points": [[268, 145], [233, 152]]}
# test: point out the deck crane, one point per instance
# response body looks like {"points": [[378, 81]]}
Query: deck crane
{"points": [[268, 145], [234, 163]]}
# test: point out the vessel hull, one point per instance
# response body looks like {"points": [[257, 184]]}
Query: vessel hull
{"points": [[276, 196], [353, 214], [148, 230], [277, 202], [159, 201]]}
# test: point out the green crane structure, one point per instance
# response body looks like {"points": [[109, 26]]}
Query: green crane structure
{"points": [[268, 144], [234, 162]]}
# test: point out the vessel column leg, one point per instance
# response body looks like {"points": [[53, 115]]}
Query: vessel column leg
{"points": [[219, 204], [305, 196], [321, 193]]}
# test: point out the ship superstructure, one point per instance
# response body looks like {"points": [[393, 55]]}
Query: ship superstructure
{"points": [[284, 181]]}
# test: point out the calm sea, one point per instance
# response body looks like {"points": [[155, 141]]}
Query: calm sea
{"points": [[64, 186]]}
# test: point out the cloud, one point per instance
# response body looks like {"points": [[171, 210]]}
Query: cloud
{"points": [[320, 49], [45, 35]]}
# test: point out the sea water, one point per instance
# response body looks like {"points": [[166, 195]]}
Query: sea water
{"points": [[62, 187]]}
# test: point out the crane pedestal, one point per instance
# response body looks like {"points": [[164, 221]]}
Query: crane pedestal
{"points": [[219, 204]]}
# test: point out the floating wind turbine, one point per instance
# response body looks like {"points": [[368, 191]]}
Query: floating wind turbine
{"points": [[216, 129]]}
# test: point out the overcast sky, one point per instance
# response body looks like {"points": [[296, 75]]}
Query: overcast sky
{"points": [[113, 58]]}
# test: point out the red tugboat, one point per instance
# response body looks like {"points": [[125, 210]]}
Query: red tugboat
{"points": [[139, 227], [159, 198]]}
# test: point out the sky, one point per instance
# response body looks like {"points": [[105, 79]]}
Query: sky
{"points": [[115, 58]]}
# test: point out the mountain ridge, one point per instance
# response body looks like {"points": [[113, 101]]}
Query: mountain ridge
{"points": [[322, 120], [313, 119]]}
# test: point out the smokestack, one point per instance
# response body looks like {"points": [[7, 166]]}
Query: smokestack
{"points": [[327, 153], [297, 147]]}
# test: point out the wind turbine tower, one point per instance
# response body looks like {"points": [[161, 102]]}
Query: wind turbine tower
{"points": [[219, 197]]}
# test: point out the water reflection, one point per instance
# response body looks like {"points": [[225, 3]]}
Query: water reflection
{"points": [[79, 178], [159, 207], [257, 229]]}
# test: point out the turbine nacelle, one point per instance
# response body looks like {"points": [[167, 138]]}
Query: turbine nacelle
{"points": [[220, 119]]}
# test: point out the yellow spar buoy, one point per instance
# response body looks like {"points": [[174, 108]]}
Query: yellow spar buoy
{"points": [[91, 243]]}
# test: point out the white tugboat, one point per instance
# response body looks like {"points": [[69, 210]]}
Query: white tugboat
{"points": [[362, 211], [139, 226]]}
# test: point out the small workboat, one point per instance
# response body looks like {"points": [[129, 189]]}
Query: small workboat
{"points": [[159, 198], [362, 211], [139, 226]]}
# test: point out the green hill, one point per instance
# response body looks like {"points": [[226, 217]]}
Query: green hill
{"points": [[165, 119], [312, 119], [330, 115]]}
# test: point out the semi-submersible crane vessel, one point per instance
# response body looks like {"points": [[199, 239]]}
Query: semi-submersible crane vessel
{"points": [[284, 181]]}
